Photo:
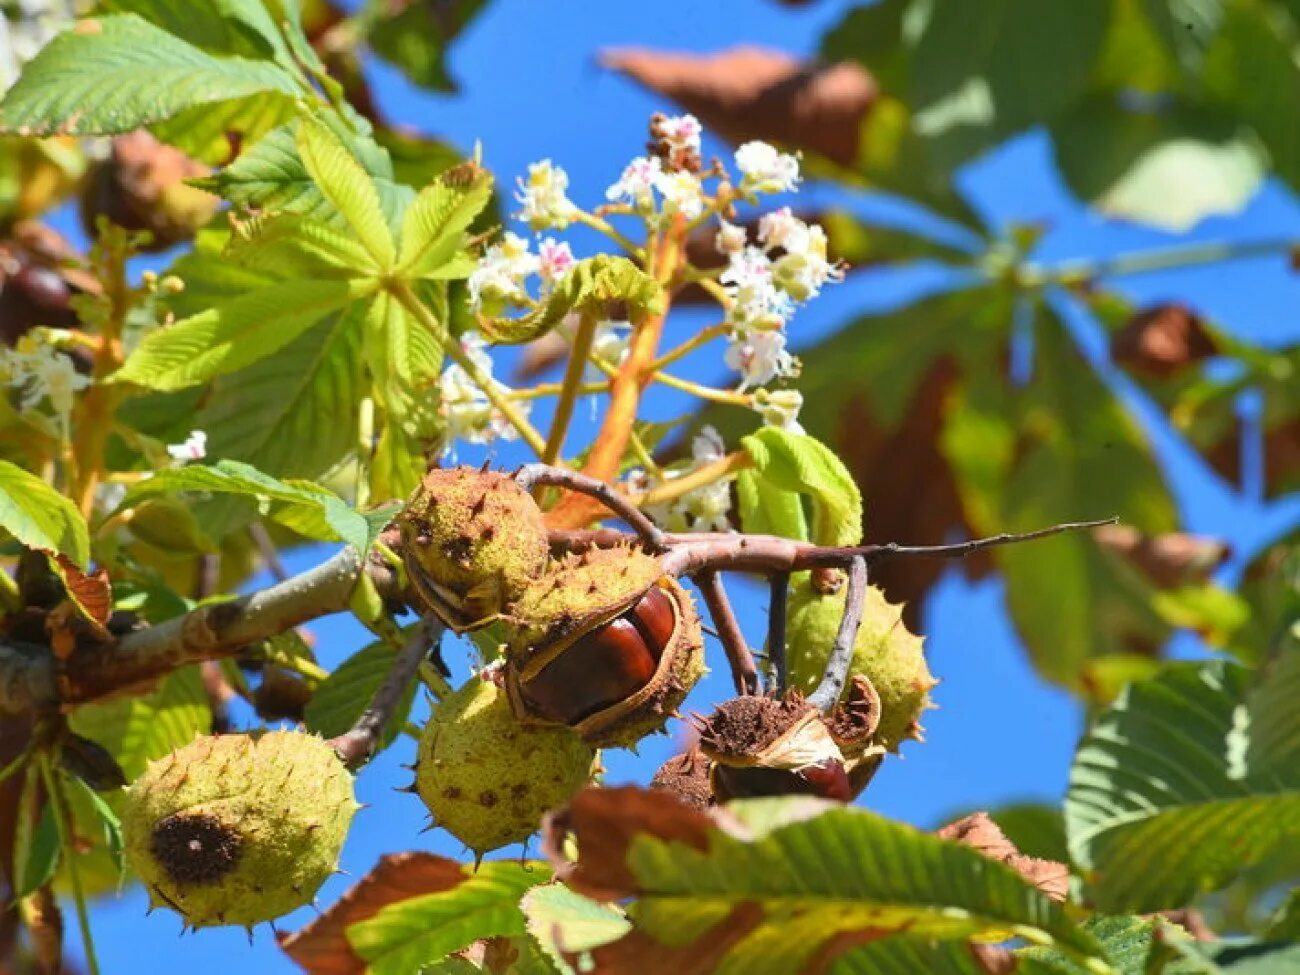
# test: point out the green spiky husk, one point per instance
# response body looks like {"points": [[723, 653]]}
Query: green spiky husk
{"points": [[473, 540], [486, 777], [583, 592], [284, 800], [888, 654]]}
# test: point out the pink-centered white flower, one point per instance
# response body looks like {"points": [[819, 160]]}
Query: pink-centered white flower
{"points": [[681, 131], [544, 196], [193, 447], [804, 268], [636, 185], [764, 169], [756, 301], [555, 260], [498, 279], [759, 357]]}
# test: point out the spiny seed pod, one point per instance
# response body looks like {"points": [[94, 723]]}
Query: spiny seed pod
{"points": [[762, 746], [687, 776], [607, 644], [885, 652], [852, 724], [473, 540], [488, 778], [237, 829]]}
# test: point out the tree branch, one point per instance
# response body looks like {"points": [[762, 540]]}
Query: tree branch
{"points": [[836, 673], [779, 590], [531, 475], [743, 672]]}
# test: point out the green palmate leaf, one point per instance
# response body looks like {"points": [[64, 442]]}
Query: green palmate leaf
{"points": [[292, 414], [902, 955], [41, 859], [272, 176], [137, 730], [1274, 720], [208, 132], [117, 73], [39, 517], [433, 228], [82, 795], [762, 883], [404, 357], [1171, 168], [798, 463], [235, 478], [767, 508], [1061, 449], [1285, 923], [297, 246], [566, 923], [345, 184], [339, 700], [591, 285], [1164, 802], [408, 934], [236, 333], [399, 461], [1035, 830]]}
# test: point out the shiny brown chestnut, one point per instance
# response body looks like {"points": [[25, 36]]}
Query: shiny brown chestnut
{"points": [[825, 780], [605, 643]]}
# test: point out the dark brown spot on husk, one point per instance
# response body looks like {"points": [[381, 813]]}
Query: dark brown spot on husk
{"points": [[488, 798], [195, 848]]}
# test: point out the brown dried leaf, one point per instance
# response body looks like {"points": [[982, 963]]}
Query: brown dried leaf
{"points": [[322, 947], [92, 591], [992, 958], [604, 822], [1170, 560], [1162, 341], [982, 834], [752, 93], [637, 952]]}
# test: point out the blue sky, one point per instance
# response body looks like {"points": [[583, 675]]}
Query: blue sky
{"points": [[531, 88]]}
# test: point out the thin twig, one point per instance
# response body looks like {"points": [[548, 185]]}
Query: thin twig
{"points": [[356, 745], [743, 672], [266, 548], [779, 585], [531, 475], [841, 656], [577, 365]]}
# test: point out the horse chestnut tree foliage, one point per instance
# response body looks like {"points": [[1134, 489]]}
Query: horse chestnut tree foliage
{"points": [[317, 358]]}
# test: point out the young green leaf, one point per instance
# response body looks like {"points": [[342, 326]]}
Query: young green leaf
{"points": [[799, 463], [408, 934], [297, 246], [39, 517], [1164, 803], [566, 923], [236, 333], [768, 508], [345, 184], [433, 228], [117, 73]]}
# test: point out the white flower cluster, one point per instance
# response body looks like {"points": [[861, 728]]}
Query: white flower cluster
{"points": [[704, 509], [26, 26], [465, 407], [500, 280], [44, 377], [544, 196]]}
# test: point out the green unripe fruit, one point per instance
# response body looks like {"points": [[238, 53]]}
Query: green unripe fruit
{"points": [[473, 540], [885, 652], [486, 777], [237, 829]]}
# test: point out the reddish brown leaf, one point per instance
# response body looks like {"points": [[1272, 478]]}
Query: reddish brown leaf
{"points": [[1281, 456], [637, 952], [322, 947], [993, 959], [1162, 341], [1169, 560], [752, 93], [831, 949], [604, 822], [911, 488], [92, 591], [981, 834]]}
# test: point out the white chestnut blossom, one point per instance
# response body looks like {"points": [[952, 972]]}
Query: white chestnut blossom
{"points": [[730, 238], [555, 260], [804, 268], [498, 280], [682, 193], [780, 408], [764, 169], [42, 374], [756, 301], [703, 509], [465, 408], [611, 341], [543, 194], [194, 447], [681, 132], [760, 357], [636, 185]]}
